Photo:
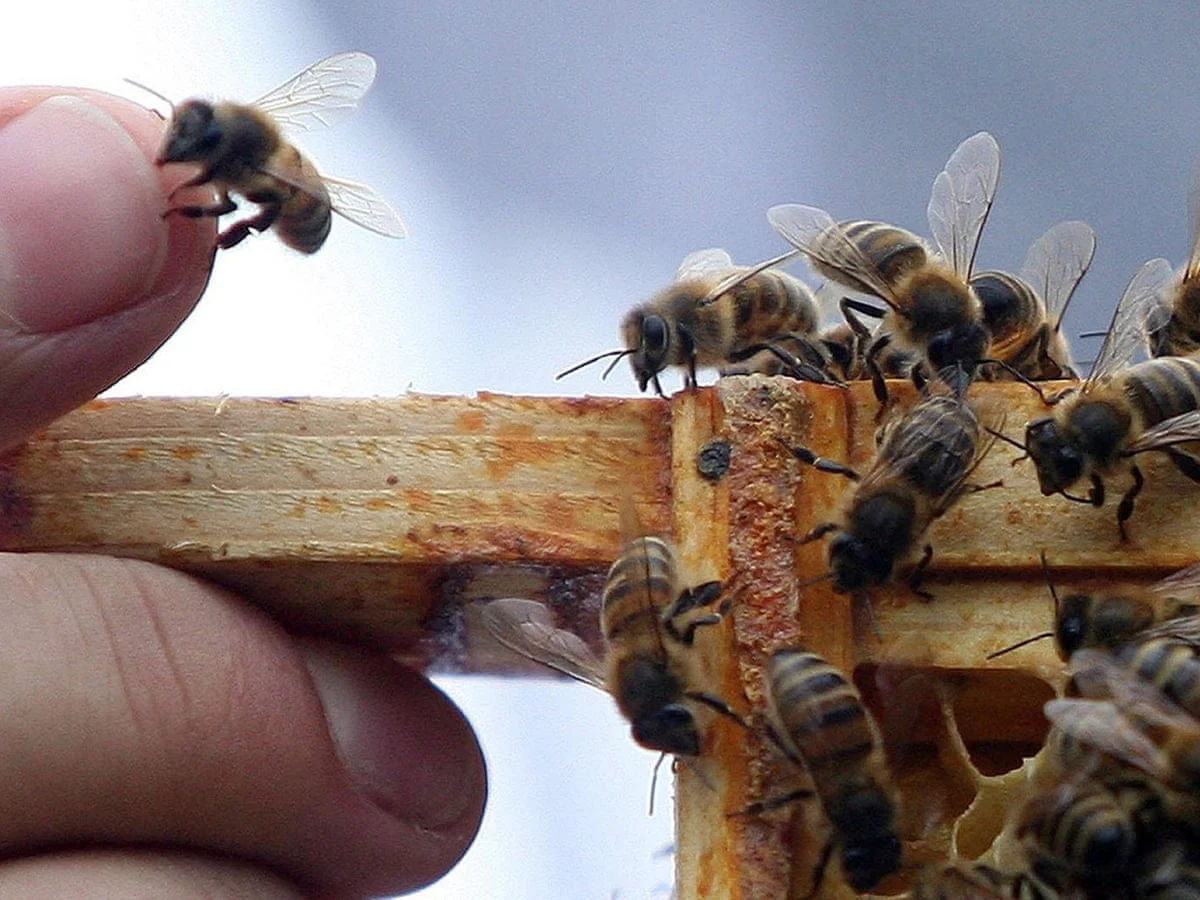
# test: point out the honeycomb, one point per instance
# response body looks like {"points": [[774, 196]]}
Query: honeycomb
{"points": [[959, 730]]}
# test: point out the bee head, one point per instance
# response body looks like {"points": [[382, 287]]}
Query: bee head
{"points": [[961, 345], [1059, 463], [857, 564], [193, 134], [670, 728], [649, 339], [866, 863], [1071, 627]]}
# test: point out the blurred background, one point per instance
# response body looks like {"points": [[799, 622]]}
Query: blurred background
{"points": [[554, 163]]}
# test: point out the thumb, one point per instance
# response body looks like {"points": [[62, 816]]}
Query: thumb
{"points": [[92, 278]]}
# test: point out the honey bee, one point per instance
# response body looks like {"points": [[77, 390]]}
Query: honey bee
{"points": [[931, 308], [919, 472], [1172, 325], [824, 726], [845, 337], [1024, 313], [1109, 618], [649, 621], [242, 151], [1131, 720], [717, 314], [1121, 410]]}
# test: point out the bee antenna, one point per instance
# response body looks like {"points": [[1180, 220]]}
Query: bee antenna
{"points": [[1050, 583], [153, 93], [1018, 376], [1019, 644], [808, 582], [595, 359], [654, 781], [1000, 435]]}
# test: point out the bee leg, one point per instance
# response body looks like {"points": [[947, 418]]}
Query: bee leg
{"points": [[689, 351], [717, 705], [203, 177], [762, 806], [1096, 494], [212, 210], [819, 532], [238, 231], [871, 360], [819, 870], [1125, 507], [916, 576], [820, 462]]}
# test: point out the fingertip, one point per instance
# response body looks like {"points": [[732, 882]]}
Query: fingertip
{"points": [[93, 278]]}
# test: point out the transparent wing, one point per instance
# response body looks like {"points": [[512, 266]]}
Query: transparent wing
{"points": [[962, 198], [1100, 724], [1098, 674], [704, 264], [740, 274], [322, 94], [1181, 584], [363, 206], [527, 628], [1124, 334], [1192, 269], [1057, 262], [815, 233], [1182, 429]]}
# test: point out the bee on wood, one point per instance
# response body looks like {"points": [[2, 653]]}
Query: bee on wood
{"points": [[931, 309], [824, 727], [1109, 618], [920, 471], [1120, 411], [241, 150], [1024, 313], [716, 315], [649, 621]]}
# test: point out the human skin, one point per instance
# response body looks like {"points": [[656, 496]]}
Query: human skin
{"points": [[159, 736]]}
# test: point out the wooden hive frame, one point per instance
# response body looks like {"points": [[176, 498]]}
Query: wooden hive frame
{"points": [[386, 521]]}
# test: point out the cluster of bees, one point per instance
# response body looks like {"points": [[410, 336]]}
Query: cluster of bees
{"points": [[1116, 809], [1116, 805]]}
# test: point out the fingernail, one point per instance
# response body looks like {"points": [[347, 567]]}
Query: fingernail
{"points": [[80, 228], [404, 743]]}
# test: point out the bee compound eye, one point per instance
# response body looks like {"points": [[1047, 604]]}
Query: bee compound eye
{"points": [[654, 335]]}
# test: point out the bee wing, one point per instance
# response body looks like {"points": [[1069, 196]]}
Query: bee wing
{"points": [[322, 94], [1098, 674], [1057, 262], [363, 206], [962, 198], [1181, 584], [1181, 429], [704, 264], [527, 628], [1192, 269], [1130, 317], [1185, 629], [1100, 724], [801, 226]]}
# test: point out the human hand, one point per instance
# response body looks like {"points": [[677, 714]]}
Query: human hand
{"points": [[158, 736]]}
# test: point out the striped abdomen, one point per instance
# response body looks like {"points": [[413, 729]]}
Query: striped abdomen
{"points": [[1161, 389], [641, 584], [1012, 311], [823, 716], [771, 304], [1080, 827], [891, 250], [305, 215], [1171, 666], [933, 446]]}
